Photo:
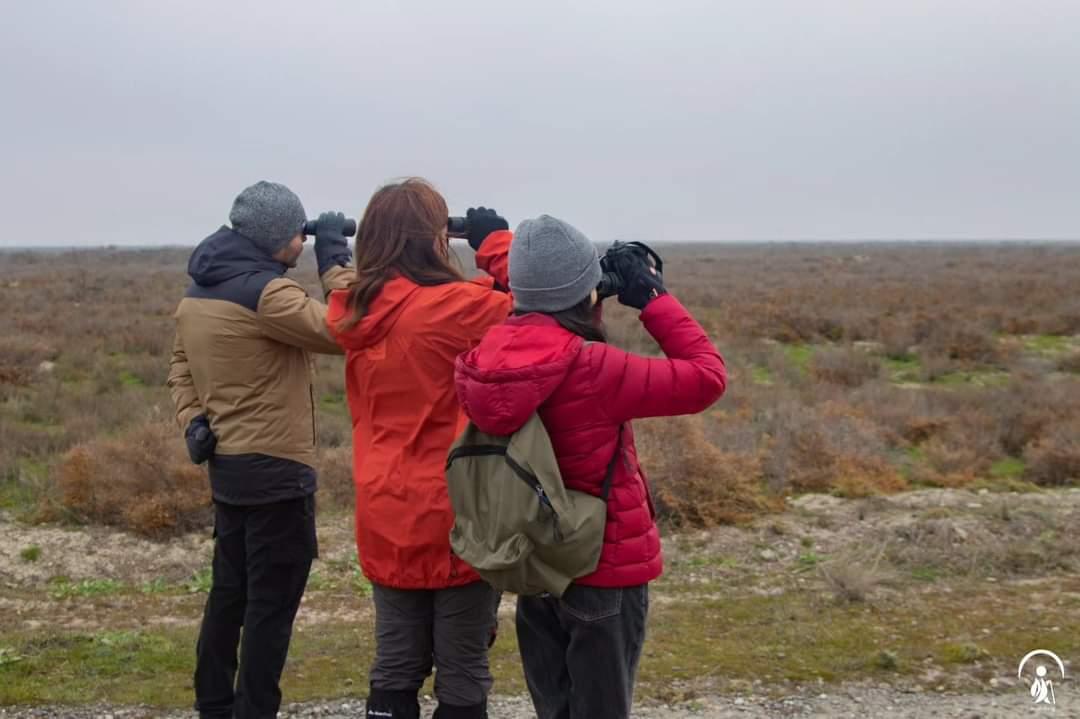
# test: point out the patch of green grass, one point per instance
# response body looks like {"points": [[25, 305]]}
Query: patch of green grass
{"points": [[761, 375], [799, 355], [8, 656], [129, 380], [21, 483], [1047, 344], [798, 635], [926, 574], [908, 459], [15, 495], [904, 370], [887, 661], [200, 582], [334, 403], [158, 585], [966, 653], [62, 588], [319, 581], [360, 583], [31, 553], [1008, 468], [808, 560], [705, 561]]}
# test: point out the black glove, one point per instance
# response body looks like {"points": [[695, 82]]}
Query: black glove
{"points": [[200, 440], [331, 243], [641, 283], [481, 222]]}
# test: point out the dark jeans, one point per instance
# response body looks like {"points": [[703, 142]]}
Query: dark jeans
{"points": [[581, 652], [262, 556], [416, 629]]}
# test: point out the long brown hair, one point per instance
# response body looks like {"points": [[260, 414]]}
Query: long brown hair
{"points": [[582, 319], [402, 233]]}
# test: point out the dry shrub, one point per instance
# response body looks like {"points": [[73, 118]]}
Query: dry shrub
{"points": [[1070, 363], [856, 476], [142, 482], [696, 484], [1055, 459], [827, 447], [335, 476], [1028, 408], [846, 367], [854, 578], [961, 341], [898, 338]]}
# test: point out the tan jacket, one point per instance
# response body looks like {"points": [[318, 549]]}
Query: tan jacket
{"points": [[241, 355]]}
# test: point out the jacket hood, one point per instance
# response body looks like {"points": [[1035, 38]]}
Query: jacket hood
{"points": [[387, 308], [513, 371], [227, 254]]}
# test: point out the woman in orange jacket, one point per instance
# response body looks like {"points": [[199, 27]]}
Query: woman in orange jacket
{"points": [[402, 322]]}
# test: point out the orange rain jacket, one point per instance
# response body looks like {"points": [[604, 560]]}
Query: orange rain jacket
{"points": [[399, 378]]}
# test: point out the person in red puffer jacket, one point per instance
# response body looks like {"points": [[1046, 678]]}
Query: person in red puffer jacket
{"points": [[580, 652]]}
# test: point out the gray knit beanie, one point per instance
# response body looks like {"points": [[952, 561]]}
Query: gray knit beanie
{"points": [[553, 266], [268, 214]]}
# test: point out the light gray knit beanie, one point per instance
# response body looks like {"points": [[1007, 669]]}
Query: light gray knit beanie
{"points": [[553, 265], [268, 214]]}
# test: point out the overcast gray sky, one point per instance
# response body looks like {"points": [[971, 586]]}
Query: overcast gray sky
{"points": [[137, 122]]}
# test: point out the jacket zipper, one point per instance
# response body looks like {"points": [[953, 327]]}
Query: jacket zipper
{"points": [[314, 433]]}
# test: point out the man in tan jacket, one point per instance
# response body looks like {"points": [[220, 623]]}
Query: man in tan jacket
{"points": [[240, 378]]}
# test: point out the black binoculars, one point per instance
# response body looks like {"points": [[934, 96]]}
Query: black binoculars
{"points": [[614, 261], [455, 227], [311, 227]]}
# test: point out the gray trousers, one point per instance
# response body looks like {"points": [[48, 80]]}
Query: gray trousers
{"points": [[449, 629]]}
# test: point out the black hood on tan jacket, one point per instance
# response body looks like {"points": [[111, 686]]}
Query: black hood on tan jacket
{"points": [[227, 254]]}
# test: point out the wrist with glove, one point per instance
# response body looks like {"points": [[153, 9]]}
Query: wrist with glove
{"points": [[201, 441], [641, 283], [481, 222], [331, 242]]}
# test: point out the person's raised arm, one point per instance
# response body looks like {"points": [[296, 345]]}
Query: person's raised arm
{"points": [[489, 235], [332, 253], [287, 314], [688, 380]]}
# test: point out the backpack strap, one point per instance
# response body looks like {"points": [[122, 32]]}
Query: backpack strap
{"points": [[606, 489]]}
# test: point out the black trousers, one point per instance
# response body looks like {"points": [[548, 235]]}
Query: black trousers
{"points": [[580, 653], [262, 557]]}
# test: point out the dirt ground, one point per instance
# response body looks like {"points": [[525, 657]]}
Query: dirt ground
{"points": [[984, 533], [855, 701]]}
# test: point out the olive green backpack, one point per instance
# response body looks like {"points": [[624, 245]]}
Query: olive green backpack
{"points": [[515, 522]]}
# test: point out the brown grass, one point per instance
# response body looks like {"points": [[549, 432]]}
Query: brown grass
{"points": [[142, 482], [695, 483], [845, 367], [1055, 458], [828, 415]]}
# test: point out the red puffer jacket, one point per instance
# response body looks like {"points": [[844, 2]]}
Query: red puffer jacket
{"points": [[583, 393]]}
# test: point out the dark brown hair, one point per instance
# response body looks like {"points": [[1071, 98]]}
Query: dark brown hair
{"points": [[583, 319], [402, 233]]}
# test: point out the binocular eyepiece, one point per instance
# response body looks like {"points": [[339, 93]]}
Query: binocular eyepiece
{"points": [[311, 227], [457, 226]]}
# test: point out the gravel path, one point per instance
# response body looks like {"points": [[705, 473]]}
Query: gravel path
{"points": [[876, 701]]}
